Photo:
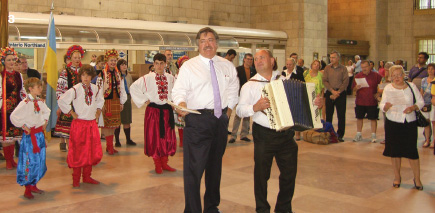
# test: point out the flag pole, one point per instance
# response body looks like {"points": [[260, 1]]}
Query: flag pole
{"points": [[4, 18]]}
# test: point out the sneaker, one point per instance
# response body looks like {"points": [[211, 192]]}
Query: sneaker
{"points": [[232, 140], [357, 138], [340, 140], [373, 139]]}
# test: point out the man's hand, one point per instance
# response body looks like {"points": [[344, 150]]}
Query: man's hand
{"points": [[378, 96], [229, 111], [45, 125], [335, 93], [318, 101], [333, 97], [387, 106], [182, 113], [26, 130], [97, 114], [261, 104]]}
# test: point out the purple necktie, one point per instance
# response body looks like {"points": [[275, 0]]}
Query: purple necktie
{"points": [[216, 93]]}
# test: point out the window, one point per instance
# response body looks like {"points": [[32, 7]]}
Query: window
{"points": [[429, 47], [424, 4]]}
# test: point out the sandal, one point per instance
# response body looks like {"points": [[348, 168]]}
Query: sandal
{"points": [[426, 144]]}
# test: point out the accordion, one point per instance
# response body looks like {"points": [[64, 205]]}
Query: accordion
{"points": [[292, 105]]}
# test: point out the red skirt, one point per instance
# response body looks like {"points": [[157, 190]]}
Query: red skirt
{"points": [[155, 146], [84, 147]]}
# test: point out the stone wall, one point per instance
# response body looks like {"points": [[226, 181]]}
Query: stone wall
{"points": [[400, 30], [353, 20], [392, 27], [304, 21], [233, 13]]}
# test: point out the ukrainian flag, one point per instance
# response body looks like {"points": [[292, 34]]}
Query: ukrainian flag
{"points": [[50, 67]]}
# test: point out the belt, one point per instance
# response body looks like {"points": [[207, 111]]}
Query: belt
{"points": [[161, 117], [211, 111], [32, 133]]}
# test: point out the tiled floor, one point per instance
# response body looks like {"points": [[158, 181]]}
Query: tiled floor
{"points": [[344, 177]]}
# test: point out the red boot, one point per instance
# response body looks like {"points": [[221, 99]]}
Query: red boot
{"points": [[76, 176], [109, 145], [165, 165], [9, 157], [87, 170], [28, 193], [158, 165], [35, 189], [180, 134]]}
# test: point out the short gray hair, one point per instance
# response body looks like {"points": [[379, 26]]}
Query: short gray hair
{"points": [[357, 57], [207, 30], [388, 65], [335, 52]]}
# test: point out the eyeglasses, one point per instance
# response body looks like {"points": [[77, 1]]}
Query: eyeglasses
{"points": [[396, 76]]}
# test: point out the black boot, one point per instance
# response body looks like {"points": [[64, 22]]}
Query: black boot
{"points": [[1, 155], [117, 131], [17, 148], [127, 135]]}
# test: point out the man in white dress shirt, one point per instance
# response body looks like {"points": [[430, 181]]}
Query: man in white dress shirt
{"points": [[268, 143], [209, 84]]}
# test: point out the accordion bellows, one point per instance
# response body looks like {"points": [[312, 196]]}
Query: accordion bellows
{"points": [[292, 105]]}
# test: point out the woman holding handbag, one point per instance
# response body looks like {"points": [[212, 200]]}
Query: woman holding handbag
{"points": [[401, 102], [427, 96]]}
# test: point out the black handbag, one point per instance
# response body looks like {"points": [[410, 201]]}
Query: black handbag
{"points": [[421, 120], [426, 108]]}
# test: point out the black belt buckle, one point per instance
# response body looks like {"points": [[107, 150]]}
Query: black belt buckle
{"points": [[206, 111], [211, 111]]}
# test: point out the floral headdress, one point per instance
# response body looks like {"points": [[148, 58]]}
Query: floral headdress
{"points": [[5, 52], [181, 60], [111, 53], [75, 48]]}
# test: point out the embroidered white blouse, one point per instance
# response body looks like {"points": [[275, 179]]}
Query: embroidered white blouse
{"points": [[153, 87], [85, 109], [26, 113]]}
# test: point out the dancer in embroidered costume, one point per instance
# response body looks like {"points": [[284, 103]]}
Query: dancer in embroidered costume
{"points": [[154, 89], [11, 95], [67, 79], [32, 116], [114, 98], [84, 150]]}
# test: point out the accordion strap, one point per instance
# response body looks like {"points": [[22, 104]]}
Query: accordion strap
{"points": [[276, 78]]}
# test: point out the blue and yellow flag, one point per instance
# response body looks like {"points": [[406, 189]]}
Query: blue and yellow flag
{"points": [[50, 67]]}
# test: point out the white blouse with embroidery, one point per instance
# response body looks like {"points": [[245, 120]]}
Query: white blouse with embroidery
{"points": [[153, 87], [85, 105], [29, 114]]}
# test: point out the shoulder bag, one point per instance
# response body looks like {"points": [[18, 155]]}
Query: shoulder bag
{"points": [[421, 120]]}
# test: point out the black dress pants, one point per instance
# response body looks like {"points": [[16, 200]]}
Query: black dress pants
{"points": [[204, 143], [268, 144], [340, 105]]}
